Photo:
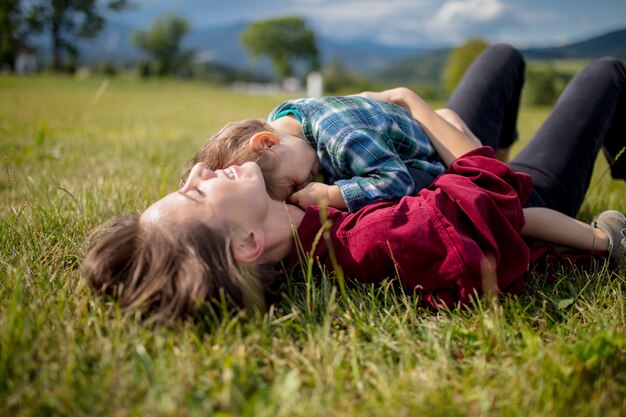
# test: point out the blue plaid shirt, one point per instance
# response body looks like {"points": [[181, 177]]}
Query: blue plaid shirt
{"points": [[364, 146]]}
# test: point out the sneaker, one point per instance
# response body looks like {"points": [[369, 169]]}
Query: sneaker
{"points": [[613, 223]]}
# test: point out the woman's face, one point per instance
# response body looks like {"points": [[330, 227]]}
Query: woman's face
{"points": [[232, 197]]}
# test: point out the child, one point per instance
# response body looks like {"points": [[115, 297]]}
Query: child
{"points": [[294, 159], [294, 164], [222, 234], [365, 148]]}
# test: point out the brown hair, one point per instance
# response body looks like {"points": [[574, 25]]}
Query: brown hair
{"points": [[168, 271], [230, 146]]}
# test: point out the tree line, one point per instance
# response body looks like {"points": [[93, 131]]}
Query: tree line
{"points": [[284, 40], [288, 42]]}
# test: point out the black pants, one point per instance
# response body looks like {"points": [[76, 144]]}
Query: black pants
{"points": [[590, 115]]}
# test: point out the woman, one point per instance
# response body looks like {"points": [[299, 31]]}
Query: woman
{"points": [[221, 234]]}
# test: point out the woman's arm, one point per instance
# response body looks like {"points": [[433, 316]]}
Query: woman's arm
{"points": [[555, 227], [454, 119], [449, 141]]}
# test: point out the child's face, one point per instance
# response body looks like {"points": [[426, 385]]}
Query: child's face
{"points": [[233, 198], [299, 165]]}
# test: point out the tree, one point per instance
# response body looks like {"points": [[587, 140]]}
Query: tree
{"points": [[283, 40], [163, 41], [341, 80], [13, 31], [68, 19], [459, 60]]}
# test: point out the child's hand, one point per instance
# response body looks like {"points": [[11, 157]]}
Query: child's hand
{"points": [[318, 194]]}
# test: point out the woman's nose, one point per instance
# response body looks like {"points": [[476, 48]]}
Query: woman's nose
{"points": [[199, 172], [203, 172]]}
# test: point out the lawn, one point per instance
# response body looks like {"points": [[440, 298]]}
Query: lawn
{"points": [[76, 152]]}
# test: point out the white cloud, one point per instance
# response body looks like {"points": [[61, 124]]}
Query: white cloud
{"points": [[407, 22], [457, 20], [392, 21], [465, 12], [413, 23]]}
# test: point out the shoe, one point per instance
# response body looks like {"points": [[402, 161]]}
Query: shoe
{"points": [[613, 223]]}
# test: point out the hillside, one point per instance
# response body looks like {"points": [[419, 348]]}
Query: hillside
{"points": [[422, 68], [427, 67], [613, 43]]}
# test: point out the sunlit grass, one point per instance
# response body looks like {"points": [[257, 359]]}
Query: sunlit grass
{"points": [[77, 152], [564, 65]]}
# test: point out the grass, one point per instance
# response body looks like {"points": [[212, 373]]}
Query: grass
{"points": [[77, 152], [566, 65]]}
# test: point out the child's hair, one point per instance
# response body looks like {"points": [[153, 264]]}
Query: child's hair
{"points": [[231, 146], [169, 271]]}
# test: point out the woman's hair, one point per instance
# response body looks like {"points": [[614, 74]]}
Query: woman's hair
{"points": [[231, 146], [169, 270]]}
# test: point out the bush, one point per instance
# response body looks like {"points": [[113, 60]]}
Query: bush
{"points": [[544, 85], [106, 68]]}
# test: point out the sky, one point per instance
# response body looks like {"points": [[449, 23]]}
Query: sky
{"points": [[415, 23]]}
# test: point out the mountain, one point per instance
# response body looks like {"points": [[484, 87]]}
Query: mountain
{"points": [[113, 44], [424, 68], [427, 67], [365, 56], [223, 45], [220, 44], [613, 44]]}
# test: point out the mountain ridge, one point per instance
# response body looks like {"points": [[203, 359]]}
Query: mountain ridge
{"points": [[222, 45], [428, 67]]}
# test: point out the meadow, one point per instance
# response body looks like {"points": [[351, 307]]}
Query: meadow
{"points": [[76, 152]]}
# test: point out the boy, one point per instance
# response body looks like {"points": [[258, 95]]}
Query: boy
{"points": [[367, 150], [368, 147]]}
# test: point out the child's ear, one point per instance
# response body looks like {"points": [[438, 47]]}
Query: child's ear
{"points": [[263, 140], [248, 248]]}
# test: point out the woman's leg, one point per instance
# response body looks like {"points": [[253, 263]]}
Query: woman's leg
{"points": [[487, 100], [590, 113], [488, 96]]}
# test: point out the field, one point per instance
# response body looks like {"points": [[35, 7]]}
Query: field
{"points": [[76, 152]]}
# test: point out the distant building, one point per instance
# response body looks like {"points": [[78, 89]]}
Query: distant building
{"points": [[25, 62], [292, 85], [314, 84]]}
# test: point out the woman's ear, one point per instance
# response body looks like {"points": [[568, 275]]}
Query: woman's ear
{"points": [[264, 140], [248, 248]]}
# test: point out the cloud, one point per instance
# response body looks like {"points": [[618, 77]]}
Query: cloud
{"points": [[392, 21], [470, 12], [413, 23], [418, 23], [456, 20]]}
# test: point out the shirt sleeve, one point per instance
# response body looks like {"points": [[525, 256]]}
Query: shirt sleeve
{"points": [[372, 171]]}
